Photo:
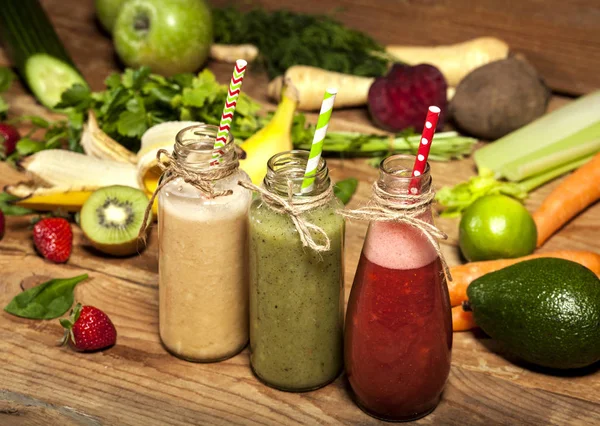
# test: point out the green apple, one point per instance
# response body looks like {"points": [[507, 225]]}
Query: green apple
{"points": [[170, 36], [107, 12]]}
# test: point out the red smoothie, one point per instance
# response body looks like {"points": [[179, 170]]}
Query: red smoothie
{"points": [[398, 335]]}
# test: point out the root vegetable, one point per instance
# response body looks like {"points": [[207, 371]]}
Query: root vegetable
{"points": [[455, 61], [572, 196], [312, 82], [463, 275], [499, 98], [461, 319], [232, 52]]}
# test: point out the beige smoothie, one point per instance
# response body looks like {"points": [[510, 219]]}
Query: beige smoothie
{"points": [[203, 278]]}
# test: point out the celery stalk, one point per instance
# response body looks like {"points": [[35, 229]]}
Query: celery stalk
{"points": [[564, 151], [541, 133], [538, 180]]}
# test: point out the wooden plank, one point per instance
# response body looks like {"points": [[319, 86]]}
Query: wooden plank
{"points": [[561, 39]]}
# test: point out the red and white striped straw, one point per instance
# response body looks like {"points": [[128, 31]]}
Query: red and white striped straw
{"points": [[235, 87], [433, 114]]}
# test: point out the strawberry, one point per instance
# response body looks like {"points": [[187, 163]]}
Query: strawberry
{"points": [[1, 225], [53, 239], [9, 136], [88, 329], [400, 99]]}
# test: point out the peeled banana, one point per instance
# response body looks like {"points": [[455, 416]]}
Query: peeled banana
{"points": [[98, 144]]}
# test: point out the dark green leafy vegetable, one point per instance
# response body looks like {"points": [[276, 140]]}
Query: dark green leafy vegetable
{"points": [[10, 209], [48, 300], [6, 78], [345, 189], [286, 38]]}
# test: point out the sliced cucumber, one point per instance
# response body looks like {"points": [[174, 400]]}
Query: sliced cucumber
{"points": [[36, 51], [49, 77]]}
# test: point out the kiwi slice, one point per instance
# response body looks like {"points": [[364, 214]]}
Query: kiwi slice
{"points": [[112, 217]]}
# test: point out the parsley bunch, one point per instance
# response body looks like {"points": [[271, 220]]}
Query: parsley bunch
{"points": [[286, 38], [137, 100]]}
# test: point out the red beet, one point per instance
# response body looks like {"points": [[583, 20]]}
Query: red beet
{"points": [[9, 136], [400, 99]]}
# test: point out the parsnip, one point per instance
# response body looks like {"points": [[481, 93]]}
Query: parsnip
{"points": [[57, 167], [454, 61], [232, 52], [98, 144], [312, 82]]}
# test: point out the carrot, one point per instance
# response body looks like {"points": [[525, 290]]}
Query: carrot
{"points": [[461, 319], [572, 196], [463, 275]]}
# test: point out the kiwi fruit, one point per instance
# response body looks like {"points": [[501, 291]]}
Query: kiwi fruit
{"points": [[112, 217]]}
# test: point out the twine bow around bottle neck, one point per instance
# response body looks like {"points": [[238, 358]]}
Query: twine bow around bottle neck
{"points": [[199, 179], [402, 208], [295, 207]]}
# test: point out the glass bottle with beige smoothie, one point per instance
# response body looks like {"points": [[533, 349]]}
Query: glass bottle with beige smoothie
{"points": [[296, 293], [203, 242]]}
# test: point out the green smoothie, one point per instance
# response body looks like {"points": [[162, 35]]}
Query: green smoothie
{"points": [[296, 299]]}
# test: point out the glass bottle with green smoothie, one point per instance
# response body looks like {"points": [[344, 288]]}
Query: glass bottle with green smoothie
{"points": [[296, 290]]}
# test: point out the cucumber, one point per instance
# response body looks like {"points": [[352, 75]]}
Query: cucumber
{"points": [[36, 51], [49, 77]]}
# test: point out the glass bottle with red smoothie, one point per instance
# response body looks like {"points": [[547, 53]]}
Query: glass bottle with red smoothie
{"points": [[398, 335]]}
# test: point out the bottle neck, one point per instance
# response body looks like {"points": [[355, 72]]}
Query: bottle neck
{"points": [[395, 176], [194, 149], [289, 166]]}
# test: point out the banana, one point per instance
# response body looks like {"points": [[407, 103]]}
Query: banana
{"points": [[98, 144], [47, 199], [275, 137], [65, 169], [161, 136]]}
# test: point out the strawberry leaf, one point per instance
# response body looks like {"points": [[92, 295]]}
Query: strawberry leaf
{"points": [[48, 300]]}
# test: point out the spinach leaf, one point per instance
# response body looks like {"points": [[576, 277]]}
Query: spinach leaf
{"points": [[345, 189], [48, 300]]}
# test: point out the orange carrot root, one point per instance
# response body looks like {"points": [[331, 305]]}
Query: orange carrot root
{"points": [[462, 320], [463, 275], [568, 199]]}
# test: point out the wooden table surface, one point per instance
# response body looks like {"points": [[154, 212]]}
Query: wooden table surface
{"points": [[137, 382]]}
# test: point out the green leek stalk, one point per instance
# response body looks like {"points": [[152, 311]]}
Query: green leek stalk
{"points": [[446, 145]]}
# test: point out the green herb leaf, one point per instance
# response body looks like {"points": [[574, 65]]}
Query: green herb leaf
{"points": [[6, 78], [10, 209], [46, 301], [3, 108], [26, 146], [455, 199], [345, 189], [77, 96]]}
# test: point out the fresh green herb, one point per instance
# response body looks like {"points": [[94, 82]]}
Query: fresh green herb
{"points": [[345, 189], [6, 78], [48, 300], [137, 100], [10, 209], [286, 38]]}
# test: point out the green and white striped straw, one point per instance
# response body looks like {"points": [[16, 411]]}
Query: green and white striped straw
{"points": [[317, 144]]}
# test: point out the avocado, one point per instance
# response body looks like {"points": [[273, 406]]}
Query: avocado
{"points": [[545, 311]]}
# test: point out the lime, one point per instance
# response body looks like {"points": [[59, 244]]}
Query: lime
{"points": [[496, 227]]}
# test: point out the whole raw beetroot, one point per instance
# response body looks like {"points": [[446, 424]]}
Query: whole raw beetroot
{"points": [[400, 99]]}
